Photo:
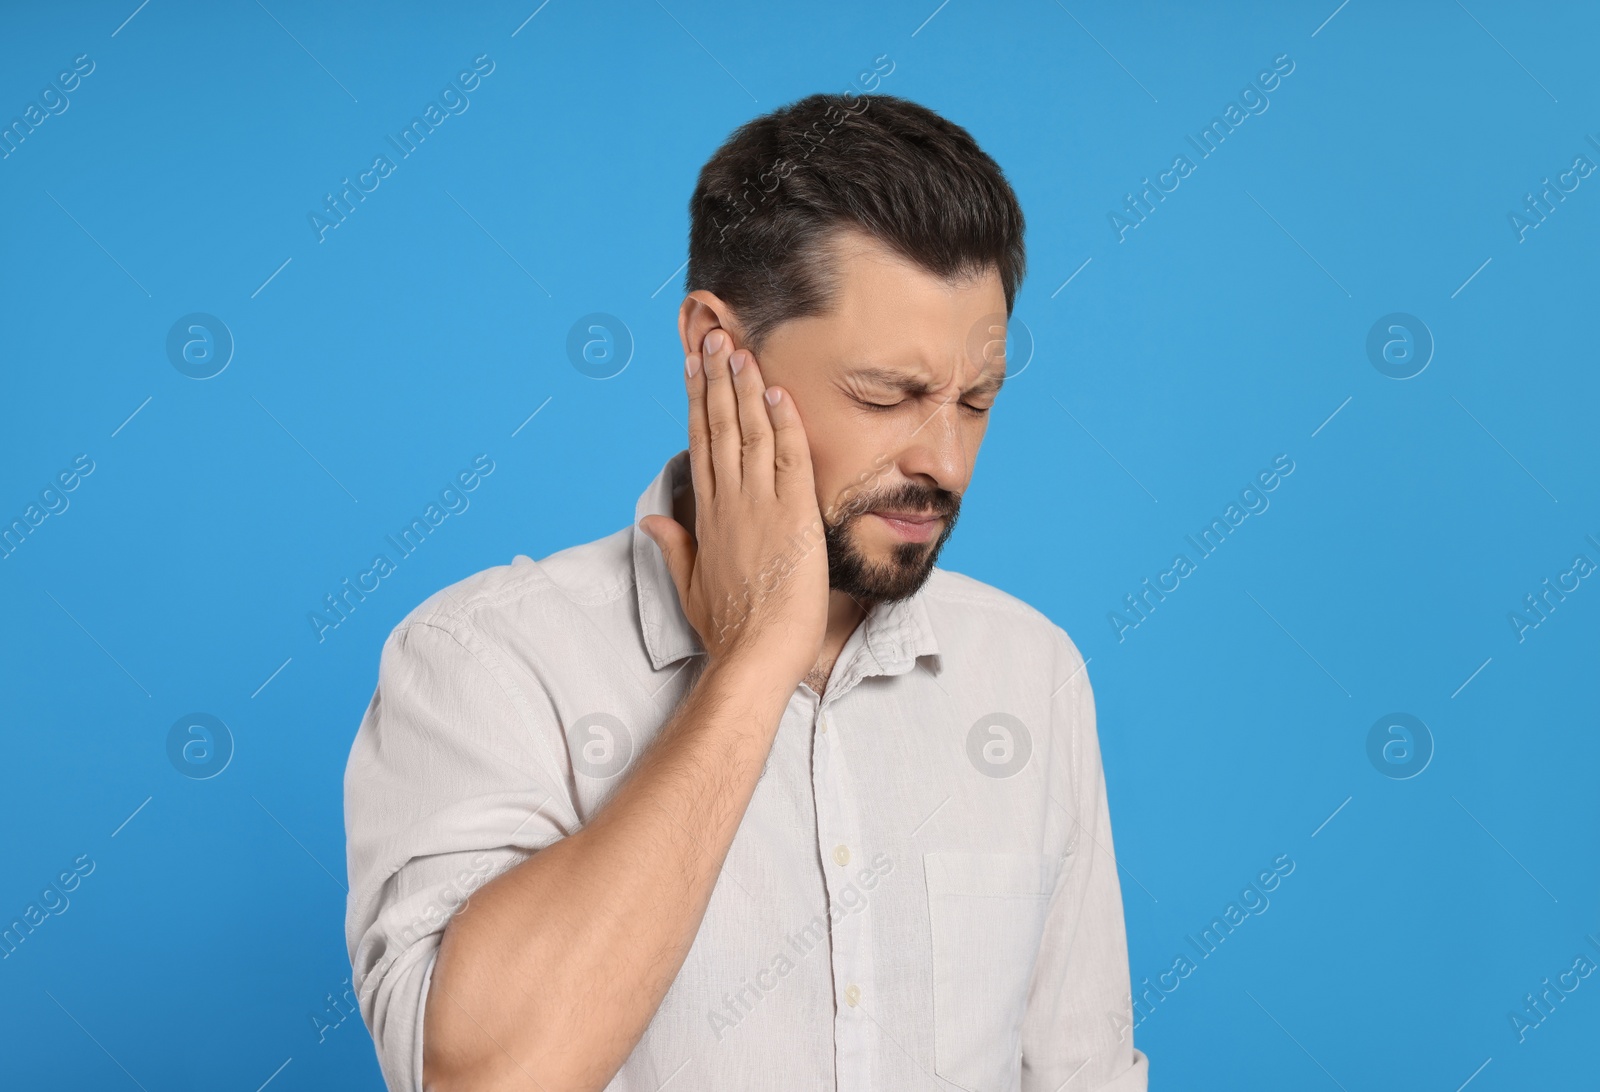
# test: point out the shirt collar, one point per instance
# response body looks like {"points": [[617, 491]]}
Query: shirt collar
{"points": [[895, 633]]}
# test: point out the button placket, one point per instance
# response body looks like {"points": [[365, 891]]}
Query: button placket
{"points": [[839, 841]]}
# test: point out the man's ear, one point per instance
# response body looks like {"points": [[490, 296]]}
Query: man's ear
{"points": [[701, 313]]}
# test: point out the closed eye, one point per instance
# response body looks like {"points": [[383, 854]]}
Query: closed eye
{"points": [[976, 411]]}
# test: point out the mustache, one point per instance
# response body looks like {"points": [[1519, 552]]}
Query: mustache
{"points": [[909, 497]]}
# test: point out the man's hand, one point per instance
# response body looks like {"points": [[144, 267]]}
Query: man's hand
{"points": [[753, 578]]}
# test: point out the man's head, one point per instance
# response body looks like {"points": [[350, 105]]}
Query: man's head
{"points": [[868, 253]]}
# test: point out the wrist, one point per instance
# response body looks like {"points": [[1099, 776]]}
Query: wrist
{"points": [[749, 677]]}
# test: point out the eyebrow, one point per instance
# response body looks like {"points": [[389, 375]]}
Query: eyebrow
{"points": [[894, 380]]}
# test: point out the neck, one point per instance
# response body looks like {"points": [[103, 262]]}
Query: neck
{"points": [[844, 615]]}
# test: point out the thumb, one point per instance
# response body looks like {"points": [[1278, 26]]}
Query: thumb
{"points": [[677, 549]]}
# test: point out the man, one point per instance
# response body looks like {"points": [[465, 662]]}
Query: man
{"points": [[750, 795]]}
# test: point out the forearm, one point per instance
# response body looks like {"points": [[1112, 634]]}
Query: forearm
{"points": [[556, 967]]}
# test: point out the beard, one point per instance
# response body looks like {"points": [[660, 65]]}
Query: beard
{"points": [[909, 564]]}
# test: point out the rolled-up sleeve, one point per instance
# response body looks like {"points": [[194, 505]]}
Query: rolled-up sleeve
{"points": [[455, 775], [1077, 1034]]}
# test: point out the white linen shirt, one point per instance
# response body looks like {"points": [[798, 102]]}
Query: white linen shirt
{"points": [[910, 902]]}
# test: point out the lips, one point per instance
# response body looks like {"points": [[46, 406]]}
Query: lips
{"points": [[910, 526]]}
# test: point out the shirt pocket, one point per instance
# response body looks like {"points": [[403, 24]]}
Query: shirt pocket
{"points": [[987, 914]]}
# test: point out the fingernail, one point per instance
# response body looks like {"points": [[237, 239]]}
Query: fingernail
{"points": [[772, 396], [691, 364], [736, 361], [713, 341]]}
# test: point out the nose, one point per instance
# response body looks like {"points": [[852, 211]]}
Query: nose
{"points": [[940, 452]]}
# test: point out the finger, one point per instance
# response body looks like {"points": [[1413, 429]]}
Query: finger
{"points": [[791, 458], [754, 423], [722, 411], [701, 472]]}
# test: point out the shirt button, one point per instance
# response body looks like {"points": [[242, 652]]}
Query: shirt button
{"points": [[852, 994], [841, 854], [823, 724]]}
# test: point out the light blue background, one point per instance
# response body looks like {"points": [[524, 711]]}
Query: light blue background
{"points": [[1227, 329]]}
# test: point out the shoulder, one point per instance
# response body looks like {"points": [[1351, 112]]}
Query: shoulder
{"points": [[1011, 656], [969, 609], [503, 598]]}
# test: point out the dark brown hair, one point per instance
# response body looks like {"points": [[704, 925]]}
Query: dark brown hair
{"points": [[770, 200]]}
